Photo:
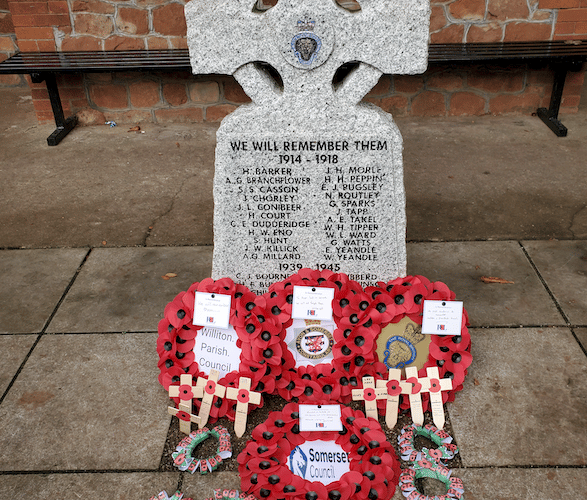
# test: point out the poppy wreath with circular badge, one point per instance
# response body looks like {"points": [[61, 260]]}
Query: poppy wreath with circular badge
{"points": [[346, 344], [373, 465], [259, 338], [450, 353]]}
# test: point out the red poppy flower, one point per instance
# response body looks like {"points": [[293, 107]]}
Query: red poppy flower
{"points": [[441, 292], [434, 385], [246, 298], [383, 308], [425, 464], [182, 415], [393, 388], [329, 383], [178, 313], [416, 386], [183, 359], [185, 392], [286, 385], [210, 387], [169, 375], [243, 396], [369, 394]]}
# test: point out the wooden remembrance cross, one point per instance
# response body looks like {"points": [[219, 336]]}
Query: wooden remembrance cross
{"points": [[185, 393], [305, 174]]}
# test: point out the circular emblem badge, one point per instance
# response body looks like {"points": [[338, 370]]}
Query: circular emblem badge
{"points": [[306, 40], [314, 342], [402, 344]]}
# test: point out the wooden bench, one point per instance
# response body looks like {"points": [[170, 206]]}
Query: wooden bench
{"points": [[45, 66]]}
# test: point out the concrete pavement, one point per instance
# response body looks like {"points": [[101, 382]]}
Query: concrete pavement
{"points": [[89, 228]]}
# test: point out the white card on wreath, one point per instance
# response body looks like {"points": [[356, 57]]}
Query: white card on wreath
{"points": [[323, 461], [442, 317], [320, 418], [212, 309], [312, 302], [215, 348]]}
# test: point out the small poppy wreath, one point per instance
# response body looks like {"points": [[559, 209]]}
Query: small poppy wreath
{"points": [[182, 457], [450, 353], [178, 495], [220, 494], [353, 340], [374, 467], [406, 441], [259, 339], [407, 481]]}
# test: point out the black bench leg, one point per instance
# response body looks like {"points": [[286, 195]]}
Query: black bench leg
{"points": [[550, 115], [63, 126]]}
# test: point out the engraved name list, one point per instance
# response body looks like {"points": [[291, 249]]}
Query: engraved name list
{"points": [[317, 203]]}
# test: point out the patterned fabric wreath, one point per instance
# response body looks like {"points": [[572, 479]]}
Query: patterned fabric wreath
{"points": [[444, 450], [374, 467], [182, 456], [450, 353], [260, 339], [357, 323], [454, 485]]}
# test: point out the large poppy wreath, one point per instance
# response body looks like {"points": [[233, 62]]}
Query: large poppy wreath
{"points": [[356, 323], [450, 353], [373, 469], [260, 340]]}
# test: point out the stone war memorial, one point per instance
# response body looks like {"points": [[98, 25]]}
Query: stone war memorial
{"points": [[309, 285], [306, 176]]}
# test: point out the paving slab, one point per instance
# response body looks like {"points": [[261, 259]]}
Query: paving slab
{"points": [[110, 486], [14, 348], [33, 282], [563, 265], [103, 184], [524, 401], [122, 289], [474, 177], [581, 334], [523, 484], [86, 402], [467, 178], [461, 265]]}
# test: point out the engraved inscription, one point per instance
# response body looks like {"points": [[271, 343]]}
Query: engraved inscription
{"points": [[274, 189]]}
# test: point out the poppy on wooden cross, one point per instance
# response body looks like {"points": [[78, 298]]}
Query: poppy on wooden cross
{"points": [[393, 389], [435, 387], [413, 387], [185, 418], [185, 393], [243, 396], [207, 389], [370, 394]]}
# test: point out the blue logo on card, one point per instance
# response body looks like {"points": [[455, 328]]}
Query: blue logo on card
{"points": [[298, 462]]}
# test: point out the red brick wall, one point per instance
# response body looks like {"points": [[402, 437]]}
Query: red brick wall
{"points": [[7, 43], [68, 25]]}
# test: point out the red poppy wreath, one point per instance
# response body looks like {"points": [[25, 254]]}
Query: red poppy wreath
{"points": [[401, 342], [325, 360], [373, 468], [255, 334]]}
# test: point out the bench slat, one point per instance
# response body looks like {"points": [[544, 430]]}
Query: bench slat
{"points": [[46, 65], [178, 59]]}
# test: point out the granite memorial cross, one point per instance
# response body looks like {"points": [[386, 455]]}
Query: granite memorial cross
{"points": [[306, 175]]}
